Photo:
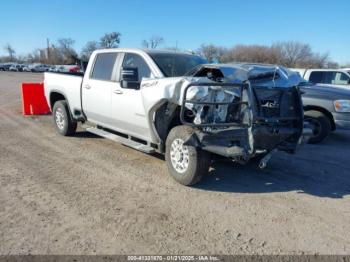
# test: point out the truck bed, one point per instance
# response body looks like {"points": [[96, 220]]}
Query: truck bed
{"points": [[65, 84]]}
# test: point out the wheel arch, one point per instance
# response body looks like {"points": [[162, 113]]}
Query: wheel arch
{"points": [[166, 117], [57, 96], [324, 111]]}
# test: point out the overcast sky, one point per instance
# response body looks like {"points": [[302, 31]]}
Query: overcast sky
{"points": [[323, 24]]}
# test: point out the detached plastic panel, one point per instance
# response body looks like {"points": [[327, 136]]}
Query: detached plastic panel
{"points": [[33, 99]]}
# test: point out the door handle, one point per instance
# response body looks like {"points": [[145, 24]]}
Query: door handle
{"points": [[87, 86], [118, 92]]}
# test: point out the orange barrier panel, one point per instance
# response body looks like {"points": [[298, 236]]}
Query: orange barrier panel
{"points": [[33, 99]]}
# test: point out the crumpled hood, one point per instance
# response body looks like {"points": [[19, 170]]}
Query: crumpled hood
{"points": [[172, 88], [157, 89], [275, 75]]}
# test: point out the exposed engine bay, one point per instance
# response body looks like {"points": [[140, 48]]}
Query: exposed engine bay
{"points": [[220, 113], [260, 112]]}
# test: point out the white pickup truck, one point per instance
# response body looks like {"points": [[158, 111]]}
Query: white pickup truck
{"points": [[335, 77], [175, 104]]}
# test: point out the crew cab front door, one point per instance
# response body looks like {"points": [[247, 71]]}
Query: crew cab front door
{"points": [[97, 89], [128, 112]]}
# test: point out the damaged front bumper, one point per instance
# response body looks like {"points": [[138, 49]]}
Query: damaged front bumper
{"points": [[230, 142], [260, 122]]}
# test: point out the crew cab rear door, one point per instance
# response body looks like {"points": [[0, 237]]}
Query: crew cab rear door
{"points": [[128, 112], [97, 89]]}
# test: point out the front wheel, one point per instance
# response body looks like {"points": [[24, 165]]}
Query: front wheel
{"points": [[186, 164], [62, 119]]}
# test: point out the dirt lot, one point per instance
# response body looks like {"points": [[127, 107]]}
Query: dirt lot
{"points": [[88, 195]]}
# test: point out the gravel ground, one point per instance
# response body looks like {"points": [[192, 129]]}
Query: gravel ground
{"points": [[88, 195]]}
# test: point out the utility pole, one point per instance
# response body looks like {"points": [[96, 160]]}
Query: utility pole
{"points": [[48, 49]]}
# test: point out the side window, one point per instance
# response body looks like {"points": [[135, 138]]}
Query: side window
{"points": [[342, 79], [316, 77], [103, 67], [134, 60]]}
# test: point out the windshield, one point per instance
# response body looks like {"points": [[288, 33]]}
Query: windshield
{"points": [[173, 65]]}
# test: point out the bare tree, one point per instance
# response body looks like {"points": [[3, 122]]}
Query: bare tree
{"points": [[65, 45], [296, 54], [289, 54], [38, 56], [153, 42], [321, 61], [88, 49], [250, 54], [333, 65], [212, 52], [209, 52], [57, 57], [110, 40], [11, 52], [293, 53]]}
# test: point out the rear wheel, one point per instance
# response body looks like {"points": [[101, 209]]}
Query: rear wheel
{"points": [[321, 126], [186, 164], [62, 119]]}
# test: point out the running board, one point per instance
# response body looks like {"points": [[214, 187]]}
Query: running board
{"points": [[122, 140]]}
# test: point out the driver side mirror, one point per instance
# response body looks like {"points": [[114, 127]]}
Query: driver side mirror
{"points": [[130, 78]]}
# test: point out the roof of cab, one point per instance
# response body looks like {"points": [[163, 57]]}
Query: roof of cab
{"points": [[141, 50]]}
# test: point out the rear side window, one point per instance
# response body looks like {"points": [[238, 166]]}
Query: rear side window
{"points": [[336, 78], [343, 78], [103, 67], [316, 77], [330, 77]]}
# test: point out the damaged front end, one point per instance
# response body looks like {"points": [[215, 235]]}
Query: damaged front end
{"points": [[240, 119]]}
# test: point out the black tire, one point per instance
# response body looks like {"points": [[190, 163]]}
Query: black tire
{"points": [[198, 160], [321, 123], [62, 119]]}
